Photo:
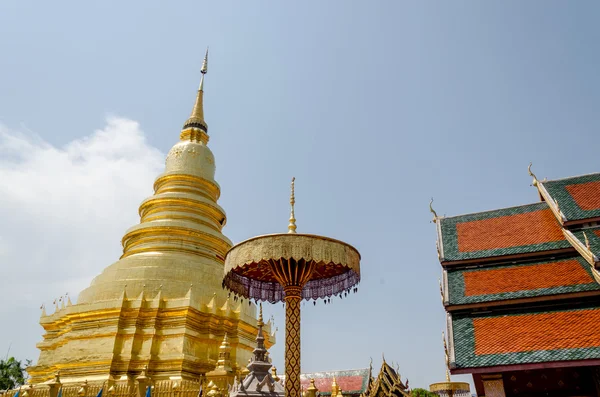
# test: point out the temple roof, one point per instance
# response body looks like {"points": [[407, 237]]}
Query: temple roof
{"points": [[577, 198], [532, 337], [511, 231], [353, 381], [588, 243], [388, 383], [516, 262], [521, 280]]}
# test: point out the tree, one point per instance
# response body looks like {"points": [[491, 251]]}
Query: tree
{"points": [[422, 393], [12, 373]]}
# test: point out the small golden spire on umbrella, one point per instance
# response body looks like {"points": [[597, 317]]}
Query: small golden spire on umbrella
{"points": [[292, 225], [292, 267]]}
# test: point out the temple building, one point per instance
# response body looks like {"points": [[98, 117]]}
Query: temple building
{"points": [[161, 305], [522, 295]]}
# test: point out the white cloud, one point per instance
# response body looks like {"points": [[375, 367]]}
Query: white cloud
{"points": [[63, 211]]}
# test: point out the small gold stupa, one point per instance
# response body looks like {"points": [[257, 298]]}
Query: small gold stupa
{"points": [[161, 304]]}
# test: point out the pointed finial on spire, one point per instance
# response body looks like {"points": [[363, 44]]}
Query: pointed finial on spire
{"points": [[292, 225], [260, 316], [203, 70], [196, 119]]}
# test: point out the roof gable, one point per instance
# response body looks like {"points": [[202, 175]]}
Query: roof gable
{"points": [[350, 381], [509, 231], [534, 337], [518, 281], [577, 198]]}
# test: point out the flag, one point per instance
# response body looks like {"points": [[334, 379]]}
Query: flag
{"points": [[200, 391], [59, 392], [100, 392], [17, 393], [149, 391]]}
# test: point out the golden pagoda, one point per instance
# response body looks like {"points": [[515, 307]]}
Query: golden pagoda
{"points": [[161, 304]]}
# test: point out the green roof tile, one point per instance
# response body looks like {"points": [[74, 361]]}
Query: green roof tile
{"points": [[567, 204], [540, 338], [538, 284], [450, 241]]}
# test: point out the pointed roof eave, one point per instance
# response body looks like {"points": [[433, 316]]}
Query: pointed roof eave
{"points": [[584, 251]]}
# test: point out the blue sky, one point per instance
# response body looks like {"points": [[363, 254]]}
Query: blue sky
{"points": [[374, 107]]}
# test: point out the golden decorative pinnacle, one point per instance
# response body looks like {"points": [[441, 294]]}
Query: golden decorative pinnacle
{"points": [[196, 119], [260, 316], [292, 225], [447, 357], [435, 215], [531, 174], [203, 70]]}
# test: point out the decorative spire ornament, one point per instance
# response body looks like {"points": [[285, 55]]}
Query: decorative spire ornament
{"points": [[295, 261], [196, 120], [292, 225]]}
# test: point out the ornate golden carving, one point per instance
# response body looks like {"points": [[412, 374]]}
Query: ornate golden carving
{"points": [[292, 341], [297, 246], [292, 225]]}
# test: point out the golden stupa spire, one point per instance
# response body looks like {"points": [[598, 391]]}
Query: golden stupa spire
{"points": [[260, 317], [292, 225], [196, 120]]}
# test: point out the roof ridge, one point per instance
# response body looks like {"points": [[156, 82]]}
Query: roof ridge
{"points": [[495, 209], [569, 177]]}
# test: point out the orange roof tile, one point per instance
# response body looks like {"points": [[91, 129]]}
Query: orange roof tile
{"points": [[586, 195], [536, 332], [528, 228], [530, 277]]}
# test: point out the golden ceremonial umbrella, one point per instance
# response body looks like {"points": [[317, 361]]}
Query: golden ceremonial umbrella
{"points": [[289, 267]]}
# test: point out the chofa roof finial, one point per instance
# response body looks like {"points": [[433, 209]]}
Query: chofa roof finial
{"points": [[435, 215], [531, 174]]}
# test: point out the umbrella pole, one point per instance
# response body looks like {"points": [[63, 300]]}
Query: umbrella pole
{"points": [[293, 296]]}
